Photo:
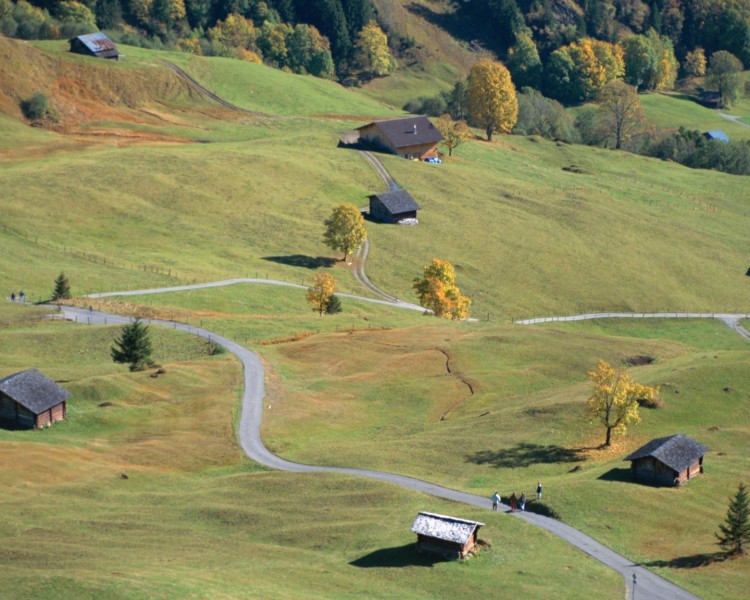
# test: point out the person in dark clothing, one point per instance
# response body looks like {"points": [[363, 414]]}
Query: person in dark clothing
{"points": [[539, 490], [513, 502]]}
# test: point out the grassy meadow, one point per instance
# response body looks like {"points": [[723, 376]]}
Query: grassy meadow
{"points": [[183, 192]]}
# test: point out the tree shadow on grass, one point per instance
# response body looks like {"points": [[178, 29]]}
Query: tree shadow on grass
{"points": [[525, 455], [301, 260], [399, 556], [688, 562]]}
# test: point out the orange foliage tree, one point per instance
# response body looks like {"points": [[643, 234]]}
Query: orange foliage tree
{"points": [[438, 292], [493, 105]]}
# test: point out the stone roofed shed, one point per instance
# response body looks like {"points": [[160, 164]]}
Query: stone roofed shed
{"points": [[408, 137], [95, 44], [29, 399], [393, 206], [446, 536], [669, 461]]}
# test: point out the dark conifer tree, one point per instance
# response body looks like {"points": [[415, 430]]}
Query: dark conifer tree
{"points": [[133, 346], [734, 536], [62, 288]]}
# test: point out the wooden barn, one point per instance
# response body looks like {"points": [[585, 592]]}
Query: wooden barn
{"points": [[392, 207], [409, 137], [29, 399], [445, 536], [669, 461], [95, 44]]}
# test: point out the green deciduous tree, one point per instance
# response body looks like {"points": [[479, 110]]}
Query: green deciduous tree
{"points": [[319, 295], [493, 105], [345, 229], [734, 533], [438, 292], [614, 402], [725, 76], [538, 115], [524, 63], [133, 347], [62, 288], [640, 61], [454, 132], [372, 53], [621, 112]]}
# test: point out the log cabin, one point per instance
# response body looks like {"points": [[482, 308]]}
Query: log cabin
{"points": [[445, 536], [28, 399], [668, 461]]}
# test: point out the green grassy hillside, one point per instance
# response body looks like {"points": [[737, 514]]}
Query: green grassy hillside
{"points": [[176, 189]]}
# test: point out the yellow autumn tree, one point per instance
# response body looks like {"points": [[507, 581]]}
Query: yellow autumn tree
{"points": [[493, 105], [372, 53], [319, 295], [345, 229], [615, 399], [454, 133], [596, 64], [235, 32], [438, 292]]}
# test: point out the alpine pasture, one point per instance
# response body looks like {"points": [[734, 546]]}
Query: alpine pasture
{"points": [[144, 492]]}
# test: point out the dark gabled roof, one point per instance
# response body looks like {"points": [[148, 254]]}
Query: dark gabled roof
{"points": [[33, 390], [450, 529], [676, 451], [397, 201], [409, 131], [99, 44], [716, 134]]}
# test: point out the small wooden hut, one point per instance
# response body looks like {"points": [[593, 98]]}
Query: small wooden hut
{"points": [[669, 461], [392, 207], [94, 44], [29, 399], [445, 536]]}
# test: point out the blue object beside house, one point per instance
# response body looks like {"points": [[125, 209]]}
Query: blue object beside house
{"points": [[716, 134]]}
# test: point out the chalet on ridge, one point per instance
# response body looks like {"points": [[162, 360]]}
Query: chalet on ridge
{"points": [[29, 399], [409, 137], [95, 44], [392, 207], [671, 460], [445, 536]]}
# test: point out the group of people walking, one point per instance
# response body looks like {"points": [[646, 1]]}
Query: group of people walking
{"points": [[516, 502], [21, 296]]}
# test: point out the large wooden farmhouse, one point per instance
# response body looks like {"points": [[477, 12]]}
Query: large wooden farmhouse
{"points": [[29, 399], [410, 137], [95, 44], [671, 460], [445, 536], [392, 207]]}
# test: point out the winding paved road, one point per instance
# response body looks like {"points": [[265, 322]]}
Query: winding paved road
{"points": [[649, 585]]}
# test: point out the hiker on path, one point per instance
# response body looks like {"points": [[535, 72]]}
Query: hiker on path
{"points": [[12, 296], [539, 490], [22, 296], [513, 502], [495, 500], [522, 501]]}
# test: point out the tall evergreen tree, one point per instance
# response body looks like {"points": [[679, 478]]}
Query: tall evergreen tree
{"points": [[735, 531], [133, 346], [62, 288]]}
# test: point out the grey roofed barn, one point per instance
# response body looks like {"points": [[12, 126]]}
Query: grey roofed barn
{"points": [[408, 131], [675, 451], [397, 201], [33, 390]]}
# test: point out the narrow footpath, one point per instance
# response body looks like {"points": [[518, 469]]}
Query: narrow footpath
{"points": [[649, 585]]}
